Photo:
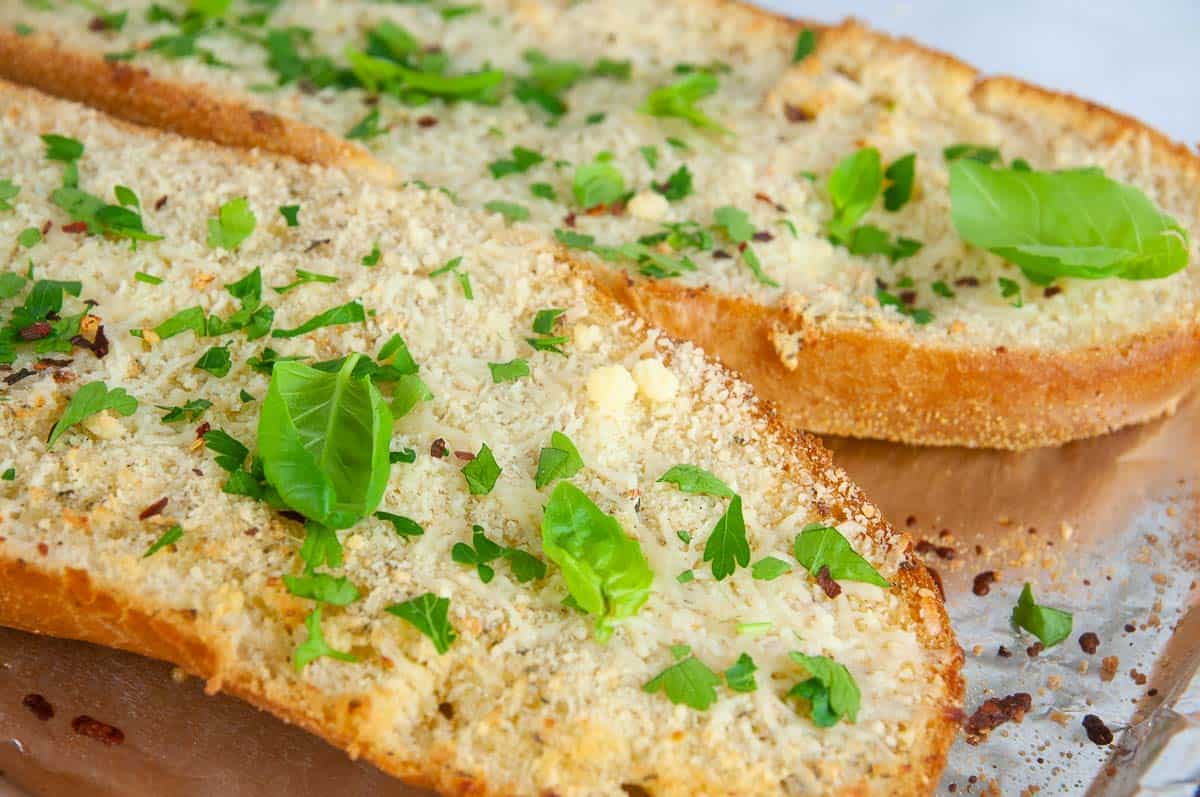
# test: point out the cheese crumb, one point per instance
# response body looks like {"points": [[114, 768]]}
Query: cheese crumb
{"points": [[648, 205], [586, 336], [655, 381], [611, 388], [103, 426]]}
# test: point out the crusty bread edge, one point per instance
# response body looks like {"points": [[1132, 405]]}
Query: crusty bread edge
{"points": [[1080, 392]]}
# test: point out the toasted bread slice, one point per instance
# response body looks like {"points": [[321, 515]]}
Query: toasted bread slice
{"points": [[1075, 359], [526, 700]]}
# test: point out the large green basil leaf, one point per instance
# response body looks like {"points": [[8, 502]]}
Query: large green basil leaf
{"points": [[323, 438], [1073, 223], [606, 571]]}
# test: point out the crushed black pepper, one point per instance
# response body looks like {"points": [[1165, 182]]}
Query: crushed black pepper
{"points": [[1097, 732], [983, 582]]}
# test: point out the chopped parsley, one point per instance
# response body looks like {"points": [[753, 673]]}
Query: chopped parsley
{"points": [[291, 214], [830, 690], [314, 647], [679, 100], [232, 225], [806, 43], [696, 480], [366, 128], [349, 313], [29, 237], [727, 547], [740, 676], [323, 588], [10, 474], [92, 398], [169, 537], [942, 289], [481, 472], [509, 210], [919, 315], [8, 191], [406, 528], [303, 278], [451, 264], [984, 155], [1009, 289], [216, 361], [372, 258], [769, 568], [598, 183], [190, 411], [509, 371], [561, 460], [1050, 626], [650, 154], [736, 226], [818, 546], [522, 161], [677, 186], [543, 191], [149, 279], [525, 566], [901, 173], [687, 682], [430, 615]]}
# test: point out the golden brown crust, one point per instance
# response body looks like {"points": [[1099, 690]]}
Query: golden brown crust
{"points": [[131, 93], [868, 383]]}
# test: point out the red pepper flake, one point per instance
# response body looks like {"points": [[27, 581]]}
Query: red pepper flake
{"points": [[569, 219], [49, 362], [762, 236], [39, 705], [465, 456], [908, 297], [98, 24], [250, 532], [47, 227], [1034, 650], [95, 729], [761, 197], [427, 121], [1097, 732], [438, 448], [203, 429], [967, 282], [741, 247], [1089, 642], [995, 712], [43, 549], [98, 347], [75, 226], [983, 582], [1130, 628], [36, 331], [910, 521], [17, 376], [831, 587], [1053, 290], [154, 509], [795, 114], [161, 202], [721, 254]]}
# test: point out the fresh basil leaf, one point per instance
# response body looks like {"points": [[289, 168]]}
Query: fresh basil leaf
{"points": [[481, 473], [769, 568], [597, 183], [314, 647], [830, 690], [169, 537], [679, 100], [405, 527], [853, 186], [901, 173], [323, 588], [696, 480], [1073, 223], [348, 313], [92, 398], [560, 461], [806, 43], [605, 571], [678, 186], [818, 546], [688, 682], [324, 439], [522, 161], [1050, 626], [509, 210], [509, 371], [233, 224], [430, 615], [409, 391], [216, 361], [727, 547], [740, 676]]}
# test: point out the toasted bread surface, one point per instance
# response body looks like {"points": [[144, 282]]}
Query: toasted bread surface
{"points": [[1090, 355], [525, 700]]}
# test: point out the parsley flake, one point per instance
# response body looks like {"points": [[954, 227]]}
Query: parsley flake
{"points": [[561, 460], [727, 547], [482, 472], [92, 398], [169, 537], [1050, 626], [430, 615], [314, 647], [818, 546], [687, 682], [233, 224], [509, 371]]}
